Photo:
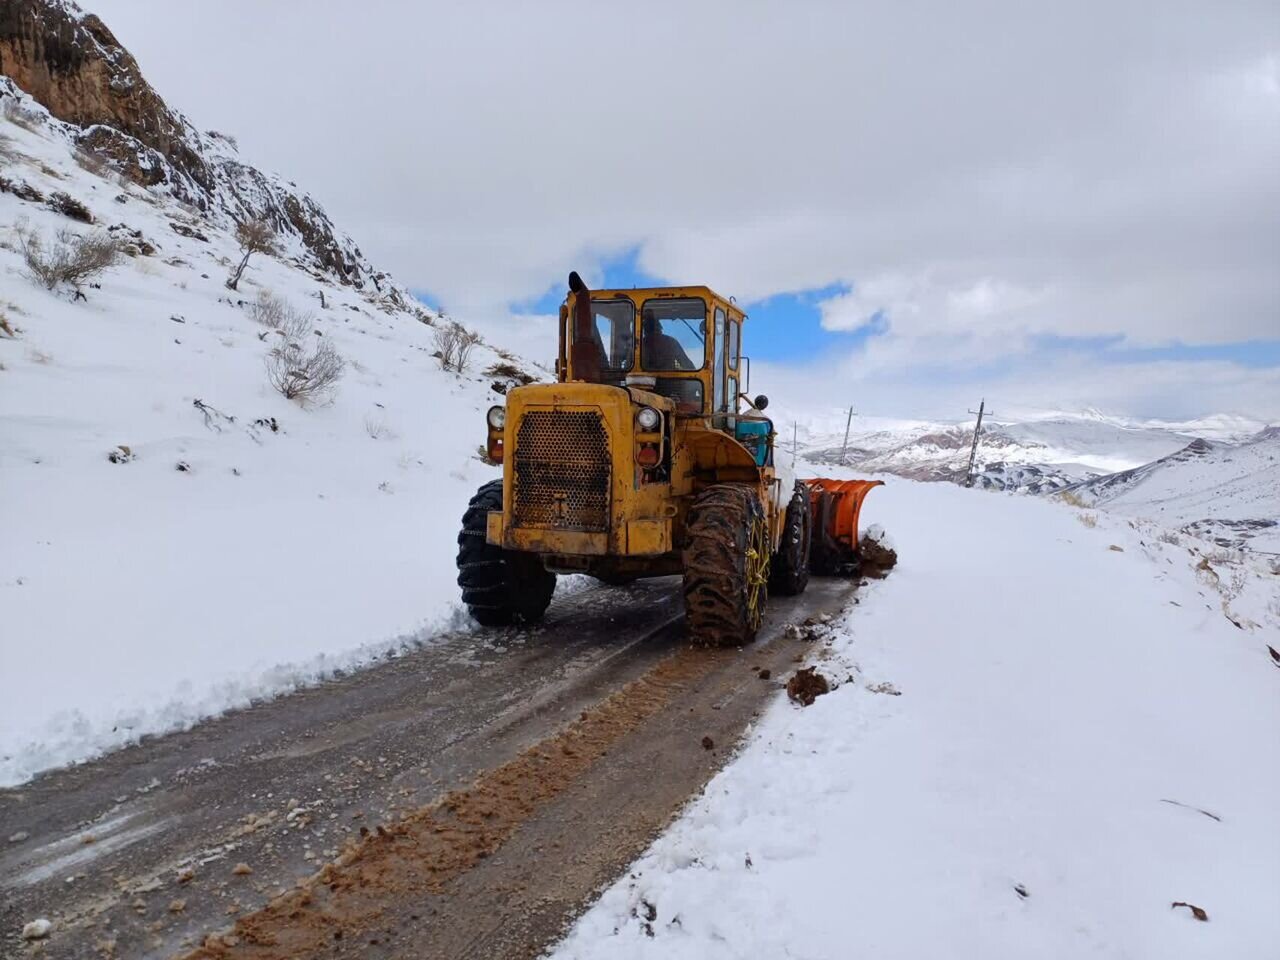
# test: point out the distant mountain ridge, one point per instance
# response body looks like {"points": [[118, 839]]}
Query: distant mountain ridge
{"points": [[1038, 455]]}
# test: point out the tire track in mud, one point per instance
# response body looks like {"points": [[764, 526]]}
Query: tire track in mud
{"points": [[424, 850]]}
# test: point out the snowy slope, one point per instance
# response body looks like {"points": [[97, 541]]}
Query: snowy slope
{"points": [[229, 559], [1048, 729], [1228, 493]]}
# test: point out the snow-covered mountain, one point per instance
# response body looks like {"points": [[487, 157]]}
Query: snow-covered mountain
{"points": [[1040, 454], [1225, 492]]}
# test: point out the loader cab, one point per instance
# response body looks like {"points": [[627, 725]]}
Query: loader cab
{"points": [[683, 343]]}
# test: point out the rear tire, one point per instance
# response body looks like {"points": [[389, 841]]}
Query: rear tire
{"points": [[726, 566], [499, 587], [789, 574]]}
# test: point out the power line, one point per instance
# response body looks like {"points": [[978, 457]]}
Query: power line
{"points": [[845, 446], [973, 451]]}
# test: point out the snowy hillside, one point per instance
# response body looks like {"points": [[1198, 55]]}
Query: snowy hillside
{"points": [[1227, 493], [178, 536], [1074, 770]]}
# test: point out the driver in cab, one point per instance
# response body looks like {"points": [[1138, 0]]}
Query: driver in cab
{"points": [[661, 351]]}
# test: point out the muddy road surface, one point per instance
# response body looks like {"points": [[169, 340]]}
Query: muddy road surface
{"points": [[463, 800]]}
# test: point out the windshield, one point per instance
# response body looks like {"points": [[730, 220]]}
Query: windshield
{"points": [[673, 335], [613, 331]]}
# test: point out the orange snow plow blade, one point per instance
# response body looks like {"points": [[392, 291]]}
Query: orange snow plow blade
{"points": [[836, 506]]}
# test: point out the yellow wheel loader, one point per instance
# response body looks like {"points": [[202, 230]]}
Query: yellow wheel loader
{"points": [[646, 459]]}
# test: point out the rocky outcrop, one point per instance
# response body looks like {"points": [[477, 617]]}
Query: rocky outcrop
{"points": [[70, 63]]}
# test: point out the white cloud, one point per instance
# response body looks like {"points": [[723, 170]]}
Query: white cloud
{"points": [[978, 173]]}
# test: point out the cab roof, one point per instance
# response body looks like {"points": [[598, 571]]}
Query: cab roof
{"points": [[640, 294]]}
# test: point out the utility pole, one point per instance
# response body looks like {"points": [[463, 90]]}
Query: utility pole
{"points": [[845, 446], [973, 451], [795, 443]]}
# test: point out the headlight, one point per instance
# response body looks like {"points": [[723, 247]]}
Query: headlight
{"points": [[497, 417], [648, 419]]}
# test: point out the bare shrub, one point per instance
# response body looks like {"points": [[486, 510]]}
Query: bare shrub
{"points": [[1088, 519], [20, 189], [268, 310], [69, 206], [72, 258], [254, 236], [8, 152], [297, 369], [307, 377], [454, 343], [7, 328]]}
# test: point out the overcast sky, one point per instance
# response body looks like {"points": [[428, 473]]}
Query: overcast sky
{"points": [[1064, 203]]}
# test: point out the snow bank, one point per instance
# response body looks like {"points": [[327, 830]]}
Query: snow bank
{"points": [[1047, 732]]}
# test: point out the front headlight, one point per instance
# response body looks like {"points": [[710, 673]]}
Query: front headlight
{"points": [[648, 419], [497, 417]]}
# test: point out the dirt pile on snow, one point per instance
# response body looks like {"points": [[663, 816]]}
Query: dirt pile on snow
{"points": [[806, 686], [876, 553]]}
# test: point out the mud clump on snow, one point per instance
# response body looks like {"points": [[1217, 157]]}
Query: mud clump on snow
{"points": [[807, 685], [878, 558]]}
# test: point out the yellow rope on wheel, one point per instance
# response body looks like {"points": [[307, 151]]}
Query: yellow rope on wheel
{"points": [[757, 572]]}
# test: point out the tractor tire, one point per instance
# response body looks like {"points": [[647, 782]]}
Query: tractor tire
{"points": [[789, 573], [726, 566], [499, 587]]}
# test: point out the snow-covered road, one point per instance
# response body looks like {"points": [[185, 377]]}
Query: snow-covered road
{"points": [[1070, 736]]}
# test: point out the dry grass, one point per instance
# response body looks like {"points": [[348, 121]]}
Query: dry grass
{"points": [[8, 152], [376, 426], [1071, 498], [1090, 520]]}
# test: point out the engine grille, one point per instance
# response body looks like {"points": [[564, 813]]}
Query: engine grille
{"points": [[561, 471]]}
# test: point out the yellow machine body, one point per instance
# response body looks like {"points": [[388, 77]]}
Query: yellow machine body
{"points": [[580, 487]]}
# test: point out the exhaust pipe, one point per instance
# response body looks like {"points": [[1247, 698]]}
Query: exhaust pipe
{"points": [[586, 357]]}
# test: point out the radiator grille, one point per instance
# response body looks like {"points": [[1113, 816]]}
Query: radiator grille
{"points": [[562, 471]]}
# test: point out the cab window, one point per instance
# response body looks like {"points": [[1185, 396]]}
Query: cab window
{"points": [[717, 370], [673, 335], [734, 328], [613, 330], [685, 391]]}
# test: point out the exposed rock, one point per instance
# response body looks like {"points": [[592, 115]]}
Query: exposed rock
{"points": [[70, 63]]}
